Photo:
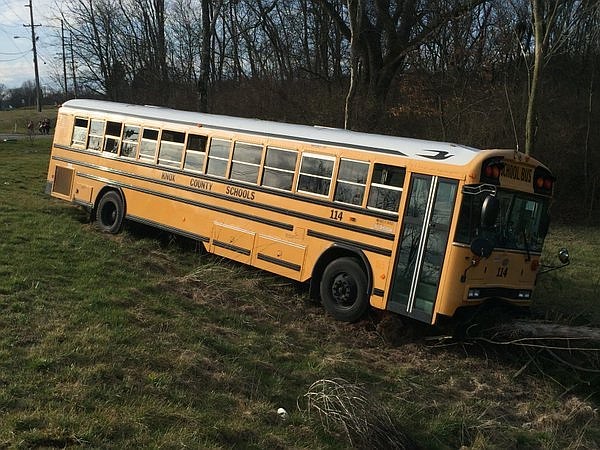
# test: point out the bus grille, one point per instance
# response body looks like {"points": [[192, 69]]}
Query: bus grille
{"points": [[63, 178]]}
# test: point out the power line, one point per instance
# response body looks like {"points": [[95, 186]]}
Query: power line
{"points": [[9, 38], [15, 53], [14, 59], [13, 11]]}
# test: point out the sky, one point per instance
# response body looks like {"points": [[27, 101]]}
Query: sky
{"points": [[16, 55]]}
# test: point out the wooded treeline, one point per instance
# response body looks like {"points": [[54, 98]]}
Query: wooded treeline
{"points": [[497, 73]]}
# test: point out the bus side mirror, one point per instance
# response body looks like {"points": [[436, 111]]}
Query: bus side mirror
{"points": [[489, 211], [563, 257], [482, 247]]}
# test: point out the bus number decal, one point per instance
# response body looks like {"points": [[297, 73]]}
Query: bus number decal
{"points": [[336, 215], [502, 272]]}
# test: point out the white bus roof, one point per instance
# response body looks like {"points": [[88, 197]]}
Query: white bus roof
{"points": [[414, 148]]}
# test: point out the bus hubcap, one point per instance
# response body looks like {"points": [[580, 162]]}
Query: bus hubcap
{"points": [[343, 290], [109, 214]]}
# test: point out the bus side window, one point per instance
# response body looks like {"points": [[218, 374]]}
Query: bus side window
{"points": [[171, 148], [80, 131], [351, 182], [113, 136], [148, 144], [386, 187], [315, 174], [218, 156], [245, 162], [96, 135], [195, 152], [280, 166], [131, 135]]}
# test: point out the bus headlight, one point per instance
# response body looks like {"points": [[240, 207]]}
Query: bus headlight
{"points": [[473, 294], [524, 295]]}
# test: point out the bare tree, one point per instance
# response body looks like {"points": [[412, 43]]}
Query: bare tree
{"points": [[381, 35], [3, 95], [185, 54], [205, 43], [551, 21], [590, 21]]}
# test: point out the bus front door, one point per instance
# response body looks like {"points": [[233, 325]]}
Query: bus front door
{"points": [[424, 237]]}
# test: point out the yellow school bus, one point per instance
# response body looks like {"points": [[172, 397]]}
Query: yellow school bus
{"points": [[420, 228]]}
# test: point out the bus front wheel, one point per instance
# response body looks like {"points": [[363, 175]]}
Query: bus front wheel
{"points": [[344, 290], [110, 212]]}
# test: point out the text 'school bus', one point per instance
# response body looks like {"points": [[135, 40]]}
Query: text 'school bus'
{"points": [[416, 227]]}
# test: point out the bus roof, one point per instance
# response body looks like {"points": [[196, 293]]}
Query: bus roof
{"points": [[414, 148]]}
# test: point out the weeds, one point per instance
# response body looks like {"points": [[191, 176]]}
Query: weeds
{"points": [[351, 407]]}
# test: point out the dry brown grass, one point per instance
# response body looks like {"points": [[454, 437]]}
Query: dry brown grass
{"points": [[352, 408]]}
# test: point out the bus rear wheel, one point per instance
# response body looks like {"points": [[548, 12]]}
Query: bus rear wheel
{"points": [[110, 212], [344, 290]]}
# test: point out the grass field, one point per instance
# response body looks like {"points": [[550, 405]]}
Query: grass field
{"points": [[137, 340], [15, 121]]}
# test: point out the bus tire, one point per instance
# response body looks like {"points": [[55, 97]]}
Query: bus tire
{"points": [[110, 212], [344, 289]]}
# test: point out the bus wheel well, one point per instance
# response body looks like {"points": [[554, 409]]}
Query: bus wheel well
{"points": [[332, 254], [101, 194]]}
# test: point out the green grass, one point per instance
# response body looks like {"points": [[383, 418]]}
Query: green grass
{"points": [[572, 293], [136, 340], [15, 121]]}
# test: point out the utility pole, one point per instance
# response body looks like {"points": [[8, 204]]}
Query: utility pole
{"points": [[64, 56], [38, 97], [73, 66]]}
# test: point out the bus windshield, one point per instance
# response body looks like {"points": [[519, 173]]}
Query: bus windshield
{"points": [[521, 222]]}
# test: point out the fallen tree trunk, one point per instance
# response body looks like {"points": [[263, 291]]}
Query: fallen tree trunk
{"points": [[574, 347], [537, 329]]}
